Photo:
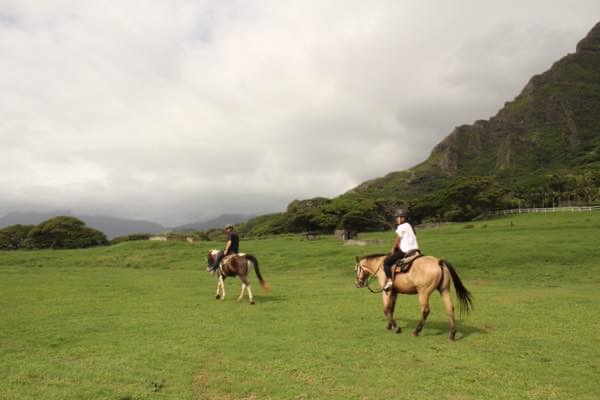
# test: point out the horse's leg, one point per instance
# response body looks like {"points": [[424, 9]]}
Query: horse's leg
{"points": [[244, 279], [242, 294], [250, 294], [222, 284], [389, 301], [394, 298], [424, 301], [219, 284], [450, 310]]}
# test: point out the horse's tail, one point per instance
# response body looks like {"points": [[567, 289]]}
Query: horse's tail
{"points": [[254, 262], [465, 299]]}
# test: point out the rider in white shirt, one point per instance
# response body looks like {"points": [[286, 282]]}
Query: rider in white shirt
{"points": [[406, 240]]}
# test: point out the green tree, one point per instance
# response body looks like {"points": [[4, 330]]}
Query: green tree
{"points": [[463, 200], [271, 224], [309, 215], [426, 208], [12, 237], [64, 233], [473, 197]]}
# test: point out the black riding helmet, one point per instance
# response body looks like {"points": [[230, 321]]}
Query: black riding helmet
{"points": [[400, 213]]}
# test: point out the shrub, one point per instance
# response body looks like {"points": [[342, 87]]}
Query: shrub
{"points": [[133, 236], [63, 233]]}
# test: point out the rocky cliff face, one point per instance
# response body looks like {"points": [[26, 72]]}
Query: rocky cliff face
{"points": [[553, 122], [551, 127], [591, 43]]}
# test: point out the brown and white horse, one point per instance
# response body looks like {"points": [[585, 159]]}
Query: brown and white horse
{"points": [[426, 275], [236, 265]]}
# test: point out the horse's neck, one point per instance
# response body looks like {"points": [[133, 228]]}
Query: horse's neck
{"points": [[376, 265]]}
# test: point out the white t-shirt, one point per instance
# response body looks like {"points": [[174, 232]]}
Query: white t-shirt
{"points": [[408, 239]]}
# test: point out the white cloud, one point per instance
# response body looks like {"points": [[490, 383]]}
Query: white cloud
{"points": [[170, 110]]}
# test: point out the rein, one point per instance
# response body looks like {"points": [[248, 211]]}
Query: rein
{"points": [[372, 278]]}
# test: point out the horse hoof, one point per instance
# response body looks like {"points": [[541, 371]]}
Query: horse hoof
{"points": [[252, 302], [389, 327], [415, 333], [218, 297], [452, 339], [398, 330]]}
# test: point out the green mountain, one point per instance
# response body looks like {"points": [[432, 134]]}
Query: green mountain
{"points": [[552, 127], [541, 149]]}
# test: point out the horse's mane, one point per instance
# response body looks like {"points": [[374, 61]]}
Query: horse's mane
{"points": [[376, 255]]}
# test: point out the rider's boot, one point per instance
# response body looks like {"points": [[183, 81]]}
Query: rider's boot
{"points": [[388, 285]]}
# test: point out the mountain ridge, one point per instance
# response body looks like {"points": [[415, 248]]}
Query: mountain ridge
{"points": [[551, 125], [218, 222], [115, 227], [541, 148]]}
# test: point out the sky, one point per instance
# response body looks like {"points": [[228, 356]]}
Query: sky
{"points": [[178, 111]]}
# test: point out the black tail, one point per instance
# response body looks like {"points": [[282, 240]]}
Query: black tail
{"points": [[465, 299], [254, 262]]}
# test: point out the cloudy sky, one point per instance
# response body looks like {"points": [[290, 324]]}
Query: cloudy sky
{"points": [[176, 111]]}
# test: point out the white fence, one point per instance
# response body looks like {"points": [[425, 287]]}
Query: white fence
{"points": [[545, 210]]}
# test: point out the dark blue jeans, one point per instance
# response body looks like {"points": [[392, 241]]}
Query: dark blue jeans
{"points": [[218, 259]]}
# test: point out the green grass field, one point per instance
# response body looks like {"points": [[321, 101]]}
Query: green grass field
{"points": [[139, 320]]}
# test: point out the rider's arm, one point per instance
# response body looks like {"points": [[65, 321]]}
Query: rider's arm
{"points": [[396, 244], [227, 246]]}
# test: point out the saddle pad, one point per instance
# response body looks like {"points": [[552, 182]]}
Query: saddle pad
{"points": [[229, 257], [404, 264]]}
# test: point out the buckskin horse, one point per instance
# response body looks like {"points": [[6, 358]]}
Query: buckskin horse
{"points": [[426, 275], [236, 265]]}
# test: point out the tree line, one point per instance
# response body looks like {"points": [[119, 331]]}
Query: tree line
{"points": [[463, 199], [56, 233]]}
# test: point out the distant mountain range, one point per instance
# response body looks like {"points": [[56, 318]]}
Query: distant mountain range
{"points": [[115, 227], [218, 222], [110, 226]]}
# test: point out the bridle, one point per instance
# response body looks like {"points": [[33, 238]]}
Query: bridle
{"points": [[371, 277]]}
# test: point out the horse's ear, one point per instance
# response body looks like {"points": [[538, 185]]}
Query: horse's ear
{"points": [[356, 258]]}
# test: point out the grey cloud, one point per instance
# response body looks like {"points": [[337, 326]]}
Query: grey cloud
{"points": [[176, 111]]}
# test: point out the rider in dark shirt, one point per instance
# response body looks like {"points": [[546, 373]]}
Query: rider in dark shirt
{"points": [[231, 247]]}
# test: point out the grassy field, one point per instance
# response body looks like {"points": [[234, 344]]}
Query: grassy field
{"points": [[139, 320]]}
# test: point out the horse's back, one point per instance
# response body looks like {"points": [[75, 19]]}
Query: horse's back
{"points": [[425, 270], [236, 264]]}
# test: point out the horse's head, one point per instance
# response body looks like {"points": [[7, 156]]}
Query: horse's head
{"points": [[361, 272], [212, 254]]}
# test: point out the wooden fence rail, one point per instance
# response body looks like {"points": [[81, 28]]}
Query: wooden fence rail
{"points": [[545, 210]]}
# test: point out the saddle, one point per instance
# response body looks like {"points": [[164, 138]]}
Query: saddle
{"points": [[403, 265]]}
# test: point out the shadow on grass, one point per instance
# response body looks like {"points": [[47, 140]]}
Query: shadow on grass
{"points": [[438, 328]]}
